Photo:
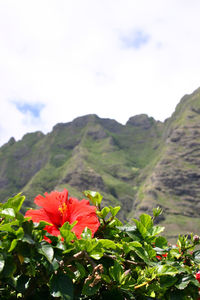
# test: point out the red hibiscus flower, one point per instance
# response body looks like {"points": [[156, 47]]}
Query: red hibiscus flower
{"points": [[57, 209]]}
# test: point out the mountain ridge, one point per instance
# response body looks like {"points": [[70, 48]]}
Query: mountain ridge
{"points": [[139, 165]]}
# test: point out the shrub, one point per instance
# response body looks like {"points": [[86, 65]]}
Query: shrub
{"points": [[114, 262]]}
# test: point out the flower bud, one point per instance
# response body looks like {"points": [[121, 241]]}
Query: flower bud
{"points": [[196, 239]]}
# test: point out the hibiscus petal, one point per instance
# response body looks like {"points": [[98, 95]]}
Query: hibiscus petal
{"points": [[38, 215], [90, 221], [78, 208], [51, 203], [52, 230], [84, 213]]}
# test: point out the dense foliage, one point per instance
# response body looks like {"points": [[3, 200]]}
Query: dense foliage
{"points": [[118, 262]]}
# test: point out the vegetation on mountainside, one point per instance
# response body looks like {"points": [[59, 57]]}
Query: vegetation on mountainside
{"points": [[138, 165]]}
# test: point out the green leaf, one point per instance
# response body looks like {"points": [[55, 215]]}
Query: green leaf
{"points": [[196, 256], [146, 220], [96, 254], [166, 270], [150, 251], [167, 281], [55, 264], [94, 248], [46, 250], [175, 253], [68, 226], [2, 262], [8, 212], [15, 202], [131, 231], [66, 232], [157, 211], [183, 282], [161, 242], [135, 244], [116, 271], [9, 267], [156, 230], [19, 233], [28, 239], [27, 226], [86, 234], [141, 228], [144, 253], [81, 269], [106, 278], [13, 245], [20, 217], [115, 222], [108, 244], [41, 224], [69, 249], [146, 228], [114, 210], [94, 197], [61, 286], [104, 212], [8, 227], [127, 228]]}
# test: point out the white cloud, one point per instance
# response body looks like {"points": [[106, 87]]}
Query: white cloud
{"points": [[70, 56]]}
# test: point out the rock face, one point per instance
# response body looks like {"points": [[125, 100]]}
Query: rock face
{"points": [[174, 182], [142, 121], [139, 165]]}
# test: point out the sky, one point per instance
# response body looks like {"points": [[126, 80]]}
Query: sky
{"points": [[61, 59]]}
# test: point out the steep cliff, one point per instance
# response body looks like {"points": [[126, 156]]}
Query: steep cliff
{"points": [[174, 179]]}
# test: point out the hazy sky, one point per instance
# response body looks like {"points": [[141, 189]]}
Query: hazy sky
{"points": [[60, 59]]}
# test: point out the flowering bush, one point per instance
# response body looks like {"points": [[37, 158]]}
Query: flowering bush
{"points": [[70, 249]]}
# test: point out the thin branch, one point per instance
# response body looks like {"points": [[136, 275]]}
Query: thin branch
{"points": [[130, 262], [80, 255], [89, 259]]}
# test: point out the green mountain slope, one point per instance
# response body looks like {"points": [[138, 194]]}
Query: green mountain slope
{"points": [[88, 153], [174, 180], [139, 165]]}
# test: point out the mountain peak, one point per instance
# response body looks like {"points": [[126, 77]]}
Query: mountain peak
{"points": [[84, 120], [142, 120]]}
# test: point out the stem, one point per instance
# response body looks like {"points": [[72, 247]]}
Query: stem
{"points": [[143, 284], [80, 255], [130, 262], [106, 222], [89, 259], [141, 263]]}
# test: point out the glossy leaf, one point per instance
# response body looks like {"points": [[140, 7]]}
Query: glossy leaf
{"points": [[94, 197], [104, 212], [15, 202], [61, 286], [8, 212], [114, 210], [2, 262], [46, 250], [13, 245]]}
